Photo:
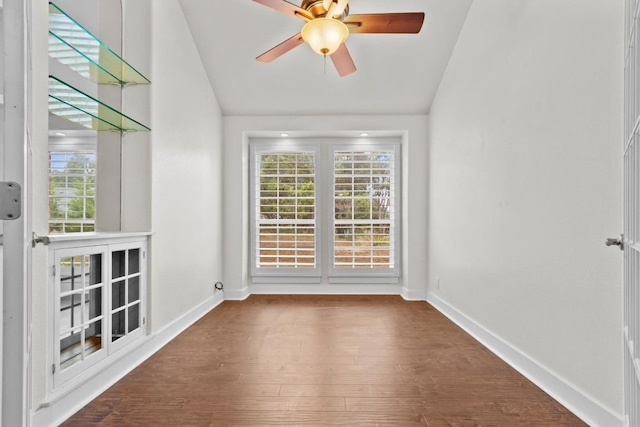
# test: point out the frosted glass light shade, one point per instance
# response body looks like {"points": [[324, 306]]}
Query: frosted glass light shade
{"points": [[325, 35]]}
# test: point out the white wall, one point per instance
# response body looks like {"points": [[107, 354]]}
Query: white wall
{"points": [[187, 172], [136, 146], [525, 136], [413, 131]]}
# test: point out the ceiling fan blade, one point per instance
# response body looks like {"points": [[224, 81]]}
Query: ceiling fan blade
{"points": [[287, 8], [342, 60], [385, 23], [281, 49]]}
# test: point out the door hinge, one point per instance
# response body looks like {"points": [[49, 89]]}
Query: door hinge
{"points": [[53, 269], [144, 320], [10, 200], [53, 368]]}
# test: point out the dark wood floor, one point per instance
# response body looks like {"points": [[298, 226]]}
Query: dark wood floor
{"points": [[324, 360]]}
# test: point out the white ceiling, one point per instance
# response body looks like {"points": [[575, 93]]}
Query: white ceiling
{"points": [[397, 74]]}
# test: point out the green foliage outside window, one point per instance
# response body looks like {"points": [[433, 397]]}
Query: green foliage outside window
{"points": [[72, 191]]}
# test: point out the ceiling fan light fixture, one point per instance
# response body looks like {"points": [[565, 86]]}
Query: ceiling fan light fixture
{"points": [[325, 35]]}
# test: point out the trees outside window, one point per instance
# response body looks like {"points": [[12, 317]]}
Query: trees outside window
{"points": [[72, 191]]}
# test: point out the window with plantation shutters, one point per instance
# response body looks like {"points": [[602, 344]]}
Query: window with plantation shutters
{"points": [[363, 193], [284, 211], [72, 191], [323, 211]]}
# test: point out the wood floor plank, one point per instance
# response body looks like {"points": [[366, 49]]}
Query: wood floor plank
{"points": [[323, 379], [324, 360], [350, 390], [307, 368], [316, 404], [255, 418], [385, 404], [289, 359]]}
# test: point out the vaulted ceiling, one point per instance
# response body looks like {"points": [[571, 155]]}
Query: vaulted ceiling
{"points": [[396, 74]]}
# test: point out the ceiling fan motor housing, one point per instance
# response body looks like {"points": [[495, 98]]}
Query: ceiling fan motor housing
{"points": [[316, 8]]}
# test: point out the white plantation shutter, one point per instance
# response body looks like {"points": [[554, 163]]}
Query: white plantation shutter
{"points": [[364, 192], [284, 236]]}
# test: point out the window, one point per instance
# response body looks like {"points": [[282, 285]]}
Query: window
{"points": [[285, 235], [364, 193], [358, 217], [72, 191]]}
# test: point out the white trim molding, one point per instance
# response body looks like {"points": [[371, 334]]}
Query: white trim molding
{"points": [[55, 412], [237, 294], [333, 289], [283, 288], [576, 401], [413, 295]]}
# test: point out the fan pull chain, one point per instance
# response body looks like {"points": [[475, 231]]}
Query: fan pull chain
{"points": [[324, 66]]}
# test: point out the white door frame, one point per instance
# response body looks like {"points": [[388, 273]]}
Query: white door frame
{"points": [[631, 194], [2, 35], [17, 250]]}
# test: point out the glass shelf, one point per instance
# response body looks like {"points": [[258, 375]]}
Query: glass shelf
{"points": [[69, 103], [71, 44]]}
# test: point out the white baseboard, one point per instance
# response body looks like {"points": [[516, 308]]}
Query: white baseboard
{"points": [[577, 402], [410, 295], [236, 295], [317, 289], [55, 412]]}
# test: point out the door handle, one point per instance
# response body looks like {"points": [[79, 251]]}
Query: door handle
{"points": [[39, 239], [612, 241]]}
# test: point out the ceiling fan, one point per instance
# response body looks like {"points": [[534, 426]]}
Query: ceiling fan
{"points": [[328, 24]]}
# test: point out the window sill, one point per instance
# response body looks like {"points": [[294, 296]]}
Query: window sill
{"points": [[363, 280], [337, 280], [286, 280]]}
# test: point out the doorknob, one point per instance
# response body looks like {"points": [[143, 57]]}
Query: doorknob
{"points": [[612, 241]]}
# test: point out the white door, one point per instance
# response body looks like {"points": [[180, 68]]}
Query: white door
{"points": [[14, 226], [632, 217]]}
